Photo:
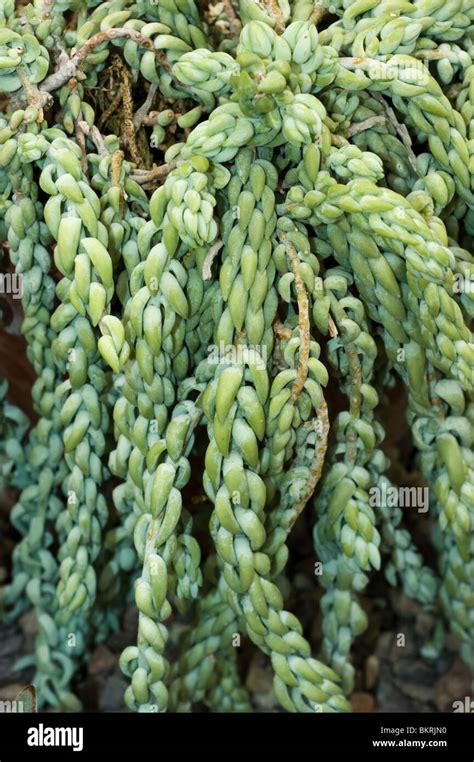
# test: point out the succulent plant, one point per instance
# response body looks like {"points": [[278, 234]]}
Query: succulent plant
{"points": [[218, 220]]}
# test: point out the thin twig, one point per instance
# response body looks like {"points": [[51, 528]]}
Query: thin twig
{"points": [[117, 160], [281, 331], [110, 109], [357, 127], [338, 141], [149, 120], [30, 90], [272, 7], [128, 126], [94, 134], [143, 176], [33, 95], [318, 12], [69, 68], [142, 112], [161, 56]]}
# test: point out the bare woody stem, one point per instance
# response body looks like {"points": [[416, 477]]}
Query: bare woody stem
{"points": [[281, 331], [367, 124], [96, 137], [143, 176], [318, 13], [34, 96], [59, 78], [275, 11], [110, 109], [117, 160]]}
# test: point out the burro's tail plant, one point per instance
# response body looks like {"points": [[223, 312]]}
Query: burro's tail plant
{"points": [[229, 234]]}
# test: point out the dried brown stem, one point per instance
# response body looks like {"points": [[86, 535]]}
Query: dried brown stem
{"points": [[110, 109], [33, 95], [338, 141], [143, 176], [161, 56], [117, 160], [318, 13], [275, 11], [128, 126], [149, 120], [281, 331]]}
